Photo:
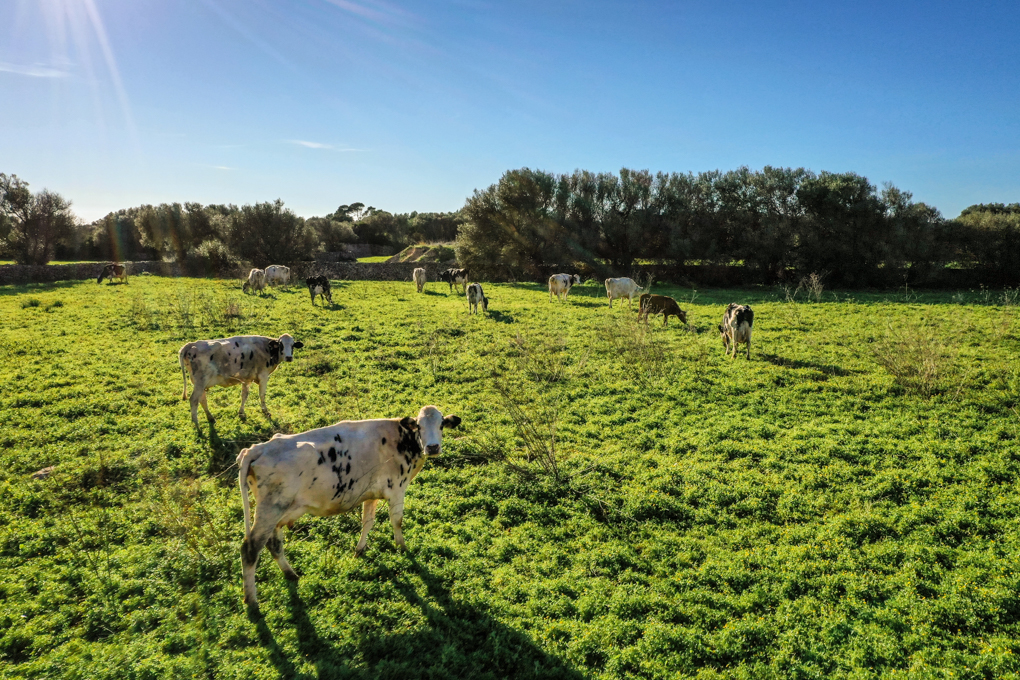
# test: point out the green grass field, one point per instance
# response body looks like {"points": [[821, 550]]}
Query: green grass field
{"points": [[617, 503]]}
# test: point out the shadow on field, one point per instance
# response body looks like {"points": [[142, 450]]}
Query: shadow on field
{"points": [[23, 288], [776, 360], [461, 640], [501, 317]]}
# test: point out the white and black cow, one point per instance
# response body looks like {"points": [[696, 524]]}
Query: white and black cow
{"points": [[319, 285], [240, 360], [419, 278], [560, 284], [622, 288], [256, 281], [277, 274], [331, 470], [455, 277], [476, 296], [736, 328], [113, 271]]}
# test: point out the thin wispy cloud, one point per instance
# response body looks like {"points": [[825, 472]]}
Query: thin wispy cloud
{"points": [[35, 70], [319, 145]]}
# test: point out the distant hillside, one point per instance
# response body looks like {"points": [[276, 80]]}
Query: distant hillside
{"points": [[441, 253]]}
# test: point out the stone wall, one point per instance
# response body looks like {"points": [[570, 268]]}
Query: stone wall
{"points": [[721, 276]]}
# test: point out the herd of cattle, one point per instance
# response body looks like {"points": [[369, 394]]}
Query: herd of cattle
{"points": [[353, 463]]}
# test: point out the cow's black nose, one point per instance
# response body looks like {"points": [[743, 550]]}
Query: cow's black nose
{"points": [[433, 449]]}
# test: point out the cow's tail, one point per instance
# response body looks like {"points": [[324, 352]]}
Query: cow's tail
{"points": [[184, 374], [244, 462]]}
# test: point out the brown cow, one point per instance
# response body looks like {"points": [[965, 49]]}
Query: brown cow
{"points": [[660, 304]]}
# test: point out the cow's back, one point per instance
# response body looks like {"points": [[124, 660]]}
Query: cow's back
{"points": [[331, 469]]}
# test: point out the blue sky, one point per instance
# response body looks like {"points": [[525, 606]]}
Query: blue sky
{"points": [[412, 106]]}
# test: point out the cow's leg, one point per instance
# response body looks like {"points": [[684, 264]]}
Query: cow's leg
{"points": [[275, 545], [397, 520], [262, 395], [253, 544], [205, 407], [244, 398], [367, 522], [749, 349], [198, 397]]}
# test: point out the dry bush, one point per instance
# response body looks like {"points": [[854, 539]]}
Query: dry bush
{"points": [[918, 356], [812, 283]]}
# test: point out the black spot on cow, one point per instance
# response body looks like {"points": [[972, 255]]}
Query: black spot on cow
{"points": [[408, 431], [314, 479], [401, 469], [402, 482], [267, 364], [236, 344], [322, 458], [248, 554], [348, 467], [252, 355], [389, 483], [337, 439], [350, 484], [300, 473], [384, 441], [242, 365], [332, 455]]}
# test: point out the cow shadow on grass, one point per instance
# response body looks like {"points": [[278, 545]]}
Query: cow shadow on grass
{"points": [[223, 452], [829, 369], [459, 638], [501, 317]]}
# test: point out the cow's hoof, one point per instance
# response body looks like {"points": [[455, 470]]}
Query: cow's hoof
{"points": [[291, 575], [359, 552], [253, 609]]}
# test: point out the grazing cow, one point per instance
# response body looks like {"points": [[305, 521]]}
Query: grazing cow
{"points": [[256, 281], [622, 288], [419, 278], [660, 304], [350, 463], [736, 328], [277, 274], [239, 360], [454, 277], [474, 296], [560, 284], [319, 285], [113, 271]]}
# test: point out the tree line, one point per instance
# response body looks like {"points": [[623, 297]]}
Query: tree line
{"points": [[776, 222], [35, 228]]}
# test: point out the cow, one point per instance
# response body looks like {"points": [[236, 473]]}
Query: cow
{"points": [[113, 271], [560, 284], [277, 274], [455, 277], [350, 463], [319, 285], [240, 360], [736, 328], [256, 281], [419, 278], [622, 288], [660, 304], [474, 296]]}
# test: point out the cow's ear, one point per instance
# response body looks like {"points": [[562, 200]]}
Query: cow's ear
{"points": [[451, 421], [274, 345], [409, 423], [298, 344]]}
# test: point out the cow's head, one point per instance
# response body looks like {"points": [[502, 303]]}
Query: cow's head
{"points": [[485, 304], [575, 280], [682, 315], [284, 347], [426, 432]]}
